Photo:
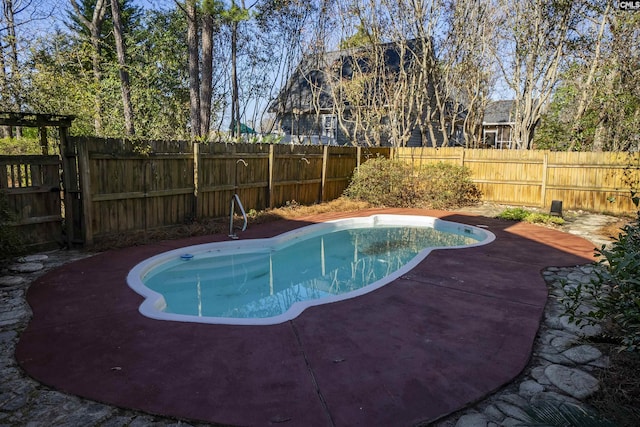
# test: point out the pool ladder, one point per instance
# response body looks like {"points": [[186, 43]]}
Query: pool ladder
{"points": [[235, 199]]}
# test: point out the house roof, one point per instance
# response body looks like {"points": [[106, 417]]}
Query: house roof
{"points": [[499, 112], [308, 87]]}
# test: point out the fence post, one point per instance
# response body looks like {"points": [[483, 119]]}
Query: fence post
{"points": [[196, 177], [44, 144], [462, 155], [545, 167], [271, 163], [323, 178], [70, 186], [85, 189]]}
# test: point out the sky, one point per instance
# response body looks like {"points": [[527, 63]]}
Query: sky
{"points": [[43, 16]]}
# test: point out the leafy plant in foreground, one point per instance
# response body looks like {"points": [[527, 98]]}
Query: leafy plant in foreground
{"points": [[552, 414], [613, 294]]}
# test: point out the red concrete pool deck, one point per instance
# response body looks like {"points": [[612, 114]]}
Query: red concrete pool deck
{"points": [[455, 328]]}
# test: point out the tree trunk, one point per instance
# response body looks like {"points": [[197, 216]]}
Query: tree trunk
{"points": [[537, 34], [235, 104], [5, 131], [588, 91], [194, 78], [13, 84], [94, 26], [206, 85], [122, 68]]}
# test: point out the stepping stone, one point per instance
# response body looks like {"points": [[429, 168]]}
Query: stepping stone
{"points": [[34, 258], [512, 411], [582, 354], [584, 330], [11, 280], [574, 382], [530, 388], [563, 343], [27, 267], [472, 420]]}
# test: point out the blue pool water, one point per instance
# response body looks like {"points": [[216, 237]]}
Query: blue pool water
{"points": [[271, 280]]}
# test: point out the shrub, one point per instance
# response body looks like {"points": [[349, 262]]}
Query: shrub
{"points": [[393, 183], [541, 218], [444, 185], [613, 294], [520, 214], [14, 146], [513, 214]]}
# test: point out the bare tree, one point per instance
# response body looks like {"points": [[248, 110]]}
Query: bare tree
{"points": [[122, 68], [466, 67], [618, 96], [534, 40]]}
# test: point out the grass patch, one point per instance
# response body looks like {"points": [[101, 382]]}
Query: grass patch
{"points": [[520, 214]]}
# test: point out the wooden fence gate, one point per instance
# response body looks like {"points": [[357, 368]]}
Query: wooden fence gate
{"points": [[31, 185]]}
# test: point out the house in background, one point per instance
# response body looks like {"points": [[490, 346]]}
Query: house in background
{"points": [[304, 107], [497, 125], [309, 107]]}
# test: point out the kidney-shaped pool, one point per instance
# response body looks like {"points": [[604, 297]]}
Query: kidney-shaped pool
{"points": [[269, 281]]}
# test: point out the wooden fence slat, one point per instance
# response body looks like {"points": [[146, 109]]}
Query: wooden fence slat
{"points": [[85, 188], [39, 220]]}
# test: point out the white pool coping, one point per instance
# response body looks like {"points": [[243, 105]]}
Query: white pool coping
{"points": [[154, 302]]}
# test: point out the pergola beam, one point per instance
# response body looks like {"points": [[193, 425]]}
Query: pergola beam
{"points": [[8, 118]]}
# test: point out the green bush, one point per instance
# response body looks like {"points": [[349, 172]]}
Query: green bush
{"points": [[393, 183], [513, 214], [14, 146], [520, 214], [541, 218], [444, 185], [613, 294]]}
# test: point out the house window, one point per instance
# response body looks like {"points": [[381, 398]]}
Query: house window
{"points": [[490, 138], [329, 126], [504, 137]]}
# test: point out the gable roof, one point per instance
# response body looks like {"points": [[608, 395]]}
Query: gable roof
{"points": [[308, 86], [499, 112]]}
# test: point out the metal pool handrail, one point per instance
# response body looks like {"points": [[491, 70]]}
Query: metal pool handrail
{"points": [[235, 199]]}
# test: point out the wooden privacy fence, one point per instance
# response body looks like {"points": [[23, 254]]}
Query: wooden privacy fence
{"points": [[126, 187], [115, 186], [593, 181]]}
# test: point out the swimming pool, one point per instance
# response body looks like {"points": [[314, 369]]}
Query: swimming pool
{"points": [[269, 281]]}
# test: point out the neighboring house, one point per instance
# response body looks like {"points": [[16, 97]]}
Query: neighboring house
{"points": [[310, 108], [497, 125]]}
